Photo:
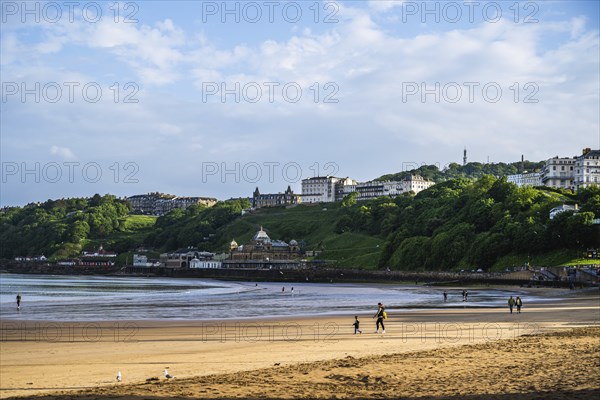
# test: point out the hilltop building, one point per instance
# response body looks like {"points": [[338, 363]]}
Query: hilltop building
{"points": [[573, 172], [287, 198], [558, 172], [146, 203], [587, 169], [160, 203], [374, 189], [416, 183], [343, 187], [526, 179], [329, 189], [326, 189]]}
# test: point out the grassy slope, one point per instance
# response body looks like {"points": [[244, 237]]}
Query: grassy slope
{"points": [[135, 228], [315, 226]]}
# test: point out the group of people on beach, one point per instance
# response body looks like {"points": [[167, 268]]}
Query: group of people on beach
{"points": [[381, 314], [465, 295], [515, 302]]}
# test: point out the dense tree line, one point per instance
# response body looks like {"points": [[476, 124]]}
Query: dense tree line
{"points": [[58, 226], [465, 223], [472, 170], [194, 226]]}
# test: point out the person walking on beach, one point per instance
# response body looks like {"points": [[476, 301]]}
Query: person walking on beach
{"points": [[445, 296], [518, 303], [511, 304], [356, 325], [18, 301], [379, 316]]}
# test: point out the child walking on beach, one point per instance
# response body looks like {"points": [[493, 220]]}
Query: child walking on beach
{"points": [[356, 325]]}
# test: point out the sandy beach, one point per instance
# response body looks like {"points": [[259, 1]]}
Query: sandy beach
{"points": [[550, 350]]}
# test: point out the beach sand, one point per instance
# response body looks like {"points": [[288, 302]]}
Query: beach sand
{"points": [[551, 350]]}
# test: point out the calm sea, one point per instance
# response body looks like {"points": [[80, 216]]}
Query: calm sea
{"points": [[93, 298]]}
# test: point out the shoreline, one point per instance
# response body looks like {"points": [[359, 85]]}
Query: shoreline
{"points": [[43, 363], [313, 275]]}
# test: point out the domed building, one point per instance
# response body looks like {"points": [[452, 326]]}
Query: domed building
{"points": [[263, 248]]}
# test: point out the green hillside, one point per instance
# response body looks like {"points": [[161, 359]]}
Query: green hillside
{"points": [[314, 228], [457, 224]]}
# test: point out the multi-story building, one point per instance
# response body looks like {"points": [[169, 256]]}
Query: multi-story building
{"points": [[415, 184], [146, 203], [344, 187], [160, 203], [286, 198], [374, 189], [325, 189], [587, 169], [559, 172], [526, 179]]}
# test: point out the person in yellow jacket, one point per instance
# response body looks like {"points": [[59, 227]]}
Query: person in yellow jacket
{"points": [[380, 315], [518, 303]]}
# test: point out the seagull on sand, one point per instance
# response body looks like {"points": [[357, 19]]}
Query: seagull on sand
{"points": [[167, 375], [119, 376]]}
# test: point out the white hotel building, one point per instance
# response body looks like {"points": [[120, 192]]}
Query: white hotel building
{"points": [[326, 189], [565, 172], [558, 173], [587, 169], [526, 179], [329, 189]]}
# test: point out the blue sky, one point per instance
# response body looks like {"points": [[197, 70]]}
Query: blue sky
{"points": [[354, 88]]}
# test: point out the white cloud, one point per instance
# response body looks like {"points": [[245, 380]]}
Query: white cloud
{"points": [[384, 5], [63, 152], [169, 129]]}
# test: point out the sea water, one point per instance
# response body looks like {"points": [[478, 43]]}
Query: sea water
{"points": [[100, 298]]}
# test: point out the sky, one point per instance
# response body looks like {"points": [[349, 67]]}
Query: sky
{"points": [[216, 98]]}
